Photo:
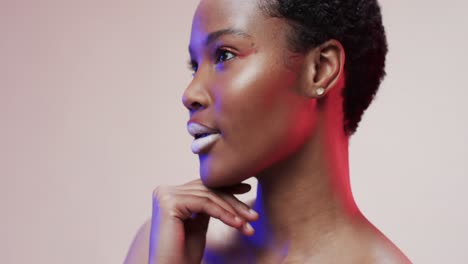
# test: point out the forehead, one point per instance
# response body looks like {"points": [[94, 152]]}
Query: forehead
{"points": [[215, 15]]}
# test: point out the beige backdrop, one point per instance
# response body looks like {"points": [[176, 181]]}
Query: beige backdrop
{"points": [[91, 120]]}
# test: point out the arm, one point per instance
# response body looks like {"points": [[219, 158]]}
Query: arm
{"points": [[139, 249]]}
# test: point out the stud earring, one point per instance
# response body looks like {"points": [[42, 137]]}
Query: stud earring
{"points": [[320, 91]]}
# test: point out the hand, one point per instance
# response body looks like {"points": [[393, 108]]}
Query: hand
{"points": [[181, 215]]}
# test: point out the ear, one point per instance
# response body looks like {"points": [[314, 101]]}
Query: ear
{"points": [[323, 69]]}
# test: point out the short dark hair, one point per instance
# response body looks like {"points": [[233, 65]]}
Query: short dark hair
{"points": [[357, 25]]}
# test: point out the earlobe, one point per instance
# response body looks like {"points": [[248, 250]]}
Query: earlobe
{"points": [[319, 91]]}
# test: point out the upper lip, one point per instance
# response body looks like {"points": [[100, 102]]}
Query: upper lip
{"points": [[196, 128]]}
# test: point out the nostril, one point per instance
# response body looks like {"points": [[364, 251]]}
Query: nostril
{"points": [[195, 105]]}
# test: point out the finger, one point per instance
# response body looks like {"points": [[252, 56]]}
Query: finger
{"points": [[225, 198], [214, 197], [242, 208], [196, 181], [187, 205]]}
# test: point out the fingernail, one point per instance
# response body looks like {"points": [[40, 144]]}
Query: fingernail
{"points": [[248, 227], [237, 219], [252, 212]]}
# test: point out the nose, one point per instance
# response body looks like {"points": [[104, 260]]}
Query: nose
{"points": [[195, 96]]}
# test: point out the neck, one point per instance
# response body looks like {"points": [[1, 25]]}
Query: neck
{"points": [[306, 197]]}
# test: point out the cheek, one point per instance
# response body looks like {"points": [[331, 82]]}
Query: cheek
{"points": [[260, 114], [254, 100], [254, 88]]}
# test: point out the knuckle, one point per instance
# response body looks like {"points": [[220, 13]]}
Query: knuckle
{"points": [[161, 193], [210, 208], [223, 200], [206, 201], [163, 199], [157, 192], [242, 206], [211, 196], [216, 211]]}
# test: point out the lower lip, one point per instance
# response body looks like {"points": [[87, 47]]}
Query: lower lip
{"points": [[202, 144]]}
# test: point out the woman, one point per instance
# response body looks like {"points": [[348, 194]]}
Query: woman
{"points": [[279, 87]]}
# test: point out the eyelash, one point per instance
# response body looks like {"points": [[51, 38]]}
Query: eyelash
{"points": [[193, 65]]}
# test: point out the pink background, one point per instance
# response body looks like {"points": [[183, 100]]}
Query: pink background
{"points": [[91, 120]]}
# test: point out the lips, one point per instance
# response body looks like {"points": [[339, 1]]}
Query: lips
{"points": [[204, 136]]}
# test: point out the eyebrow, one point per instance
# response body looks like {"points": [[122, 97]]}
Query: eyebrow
{"points": [[228, 31], [213, 36]]}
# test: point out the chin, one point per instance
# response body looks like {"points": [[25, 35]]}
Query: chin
{"points": [[216, 175]]}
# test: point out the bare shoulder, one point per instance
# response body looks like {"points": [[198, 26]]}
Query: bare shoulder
{"points": [[382, 249], [139, 249], [385, 252]]}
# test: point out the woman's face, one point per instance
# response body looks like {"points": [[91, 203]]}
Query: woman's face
{"points": [[245, 86]]}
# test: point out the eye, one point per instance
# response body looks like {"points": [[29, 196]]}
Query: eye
{"points": [[223, 55], [193, 66]]}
